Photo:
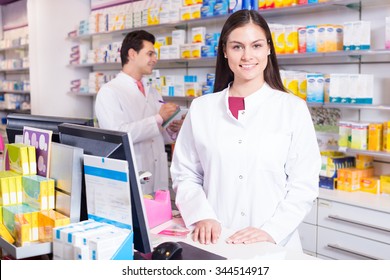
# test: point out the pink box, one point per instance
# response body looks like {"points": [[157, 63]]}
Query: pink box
{"points": [[159, 209]]}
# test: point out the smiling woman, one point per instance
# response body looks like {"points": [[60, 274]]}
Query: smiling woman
{"points": [[247, 156], [246, 51]]}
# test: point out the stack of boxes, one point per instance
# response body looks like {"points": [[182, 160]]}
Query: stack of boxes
{"points": [[90, 240], [347, 173], [23, 196]]}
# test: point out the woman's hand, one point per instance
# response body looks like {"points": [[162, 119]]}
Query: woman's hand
{"points": [[206, 231], [250, 235]]}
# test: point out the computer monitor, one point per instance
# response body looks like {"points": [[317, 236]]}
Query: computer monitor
{"points": [[116, 145], [16, 122]]}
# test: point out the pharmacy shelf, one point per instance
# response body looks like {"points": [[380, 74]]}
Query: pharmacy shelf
{"points": [[8, 111], [284, 59], [90, 94], [16, 71], [161, 64], [267, 14], [15, 91], [19, 47], [27, 251], [178, 98], [350, 106], [375, 154]]}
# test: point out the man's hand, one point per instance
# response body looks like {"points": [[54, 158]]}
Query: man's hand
{"points": [[167, 109], [175, 126]]}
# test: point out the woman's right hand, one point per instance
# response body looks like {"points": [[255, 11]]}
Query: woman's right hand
{"points": [[167, 110], [207, 231]]}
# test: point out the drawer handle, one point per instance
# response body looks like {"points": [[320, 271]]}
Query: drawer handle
{"points": [[338, 218], [337, 247]]}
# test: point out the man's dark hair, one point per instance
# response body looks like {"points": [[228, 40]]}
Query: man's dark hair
{"points": [[134, 40]]}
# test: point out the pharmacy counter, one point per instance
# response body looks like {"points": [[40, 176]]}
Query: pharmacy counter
{"points": [[260, 250]]}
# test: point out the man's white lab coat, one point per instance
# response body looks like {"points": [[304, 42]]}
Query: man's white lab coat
{"points": [[120, 105], [259, 170]]}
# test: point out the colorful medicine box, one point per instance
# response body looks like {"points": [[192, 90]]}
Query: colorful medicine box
{"points": [[35, 191], [18, 158], [385, 184], [370, 185]]}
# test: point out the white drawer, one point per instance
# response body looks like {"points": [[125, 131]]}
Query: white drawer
{"points": [[311, 218], [308, 235], [343, 246], [354, 220]]}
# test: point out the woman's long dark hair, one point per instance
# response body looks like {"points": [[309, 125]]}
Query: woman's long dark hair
{"points": [[223, 74]]}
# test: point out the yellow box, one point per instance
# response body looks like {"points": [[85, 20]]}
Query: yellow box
{"points": [[321, 38], [386, 136], [153, 16], [35, 191], [385, 184], [375, 136], [50, 193], [4, 192], [269, 4], [12, 190], [14, 219], [278, 3], [17, 178], [22, 229], [19, 189], [32, 160], [302, 85], [32, 219], [185, 51], [4, 233], [18, 158], [196, 50], [280, 39], [291, 39], [370, 185], [49, 219], [364, 161]]}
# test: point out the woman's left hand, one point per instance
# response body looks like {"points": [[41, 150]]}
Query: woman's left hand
{"points": [[250, 235]]}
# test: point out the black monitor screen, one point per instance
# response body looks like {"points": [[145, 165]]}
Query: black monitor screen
{"points": [[116, 145], [16, 122]]}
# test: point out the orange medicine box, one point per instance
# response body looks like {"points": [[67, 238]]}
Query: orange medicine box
{"points": [[348, 179], [375, 136]]}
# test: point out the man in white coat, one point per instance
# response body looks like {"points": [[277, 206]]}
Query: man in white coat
{"points": [[128, 103]]}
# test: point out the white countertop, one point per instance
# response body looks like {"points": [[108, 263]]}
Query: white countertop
{"points": [[260, 250], [379, 202]]}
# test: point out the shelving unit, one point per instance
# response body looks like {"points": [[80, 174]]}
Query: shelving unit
{"points": [[268, 13], [14, 74], [27, 251]]}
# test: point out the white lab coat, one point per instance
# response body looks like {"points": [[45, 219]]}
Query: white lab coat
{"points": [[120, 105], [260, 170]]}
